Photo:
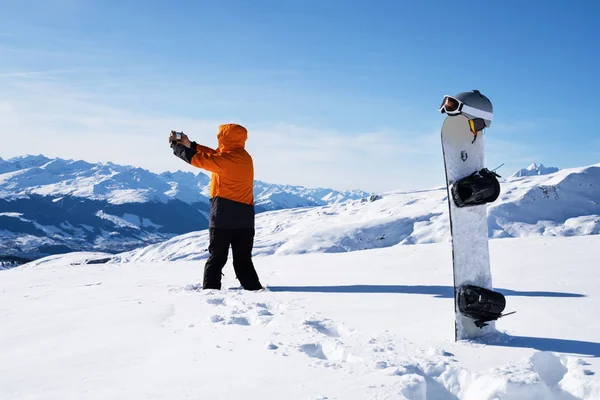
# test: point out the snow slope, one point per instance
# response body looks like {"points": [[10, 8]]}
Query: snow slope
{"points": [[375, 324], [566, 203]]}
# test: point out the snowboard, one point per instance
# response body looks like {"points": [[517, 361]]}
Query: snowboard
{"points": [[464, 154]]}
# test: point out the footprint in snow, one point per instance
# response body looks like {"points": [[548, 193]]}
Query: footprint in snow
{"points": [[242, 317], [380, 365], [328, 327], [237, 309], [217, 301], [217, 318], [271, 346], [195, 287], [329, 350], [313, 350], [237, 320]]}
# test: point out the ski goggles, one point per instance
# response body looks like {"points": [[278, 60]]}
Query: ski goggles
{"points": [[453, 106]]}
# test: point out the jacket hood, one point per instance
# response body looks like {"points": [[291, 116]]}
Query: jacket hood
{"points": [[231, 136]]}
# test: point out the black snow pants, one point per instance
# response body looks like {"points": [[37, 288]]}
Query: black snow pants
{"points": [[241, 242]]}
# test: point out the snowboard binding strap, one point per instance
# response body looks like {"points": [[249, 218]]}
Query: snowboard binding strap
{"points": [[483, 305], [478, 188]]}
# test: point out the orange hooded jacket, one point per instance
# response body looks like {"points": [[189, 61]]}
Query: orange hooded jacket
{"points": [[232, 182], [231, 165]]}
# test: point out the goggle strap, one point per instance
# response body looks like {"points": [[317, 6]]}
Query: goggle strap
{"points": [[476, 112]]}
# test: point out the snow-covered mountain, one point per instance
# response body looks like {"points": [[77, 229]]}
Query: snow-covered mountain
{"points": [[535, 169], [277, 197], [565, 203], [50, 206]]}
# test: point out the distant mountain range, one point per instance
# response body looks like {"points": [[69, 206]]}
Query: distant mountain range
{"points": [[51, 205], [564, 203], [535, 169]]}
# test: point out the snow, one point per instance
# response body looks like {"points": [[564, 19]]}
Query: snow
{"points": [[102, 181], [372, 324], [120, 184], [186, 186], [350, 311], [273, 197], [566, 203], [355, 225], [122, 222], [534, 169], [11, 214]]}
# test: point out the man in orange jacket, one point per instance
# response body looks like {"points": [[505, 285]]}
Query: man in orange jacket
{"points": [[231, 221]]}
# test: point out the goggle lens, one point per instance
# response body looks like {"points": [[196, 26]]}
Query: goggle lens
{"points": [[450, 104]]}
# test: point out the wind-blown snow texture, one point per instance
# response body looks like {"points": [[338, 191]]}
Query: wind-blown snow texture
{"points": [[566, 203], [377, 324], [50, 206]]}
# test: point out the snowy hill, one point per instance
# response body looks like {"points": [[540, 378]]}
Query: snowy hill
{"points": [[50, 206], [566, 203], [376, 324], [534, 169]]}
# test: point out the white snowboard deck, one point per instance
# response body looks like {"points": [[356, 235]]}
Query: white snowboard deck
{"points": [[468, 225]]}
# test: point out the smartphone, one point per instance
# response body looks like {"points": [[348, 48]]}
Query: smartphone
{"points": [[177, 135]]}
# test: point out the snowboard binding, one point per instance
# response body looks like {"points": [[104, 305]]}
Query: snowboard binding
{"points": [[476, 189], [483, 305]]}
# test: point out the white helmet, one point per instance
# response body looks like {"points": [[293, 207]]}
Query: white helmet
{"points": [[472, 104]]}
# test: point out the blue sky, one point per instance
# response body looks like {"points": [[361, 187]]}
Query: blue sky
{"points": [[341, 94]]}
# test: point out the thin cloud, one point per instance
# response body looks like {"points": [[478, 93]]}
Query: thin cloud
{"points": [[64, 125], [57, 119], [28, 74]]}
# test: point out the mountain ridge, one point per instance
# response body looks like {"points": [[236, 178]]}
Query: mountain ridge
{"points": [[565, 203], [54, 205], [535, 169]]}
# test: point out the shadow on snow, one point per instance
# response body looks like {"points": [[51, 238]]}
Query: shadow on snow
{"points": [[568, 346], [436, 291], [543, 344]]}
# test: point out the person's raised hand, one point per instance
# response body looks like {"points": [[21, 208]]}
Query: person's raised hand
{"points": [[184, 139], [172, 139]]}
